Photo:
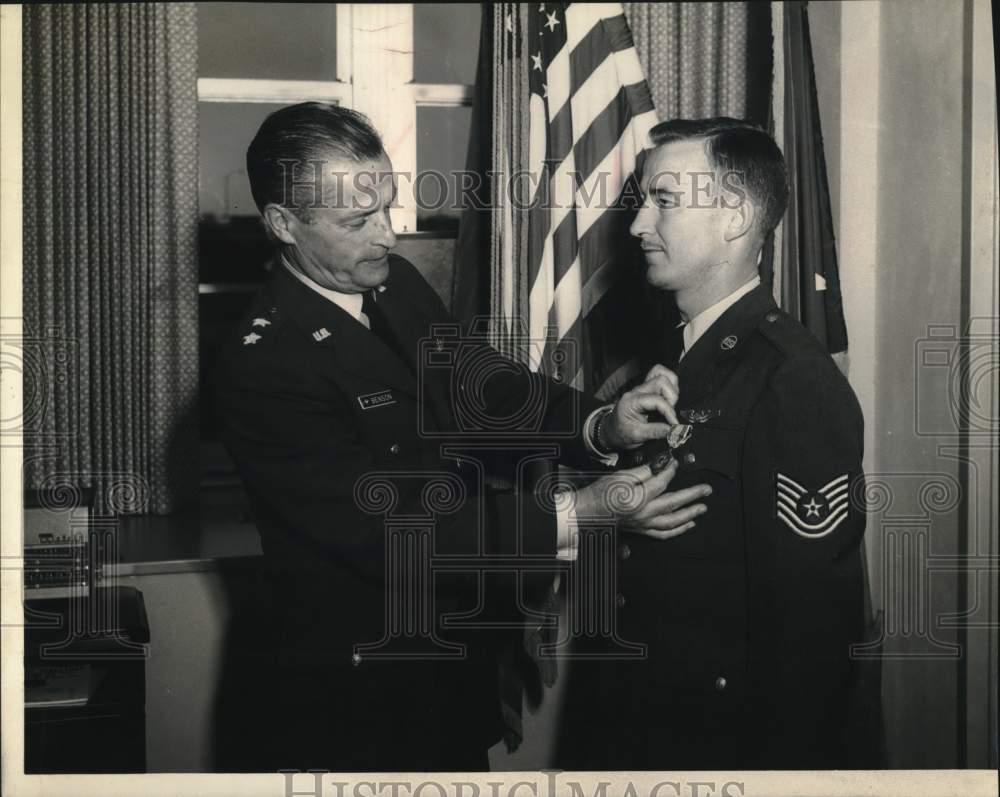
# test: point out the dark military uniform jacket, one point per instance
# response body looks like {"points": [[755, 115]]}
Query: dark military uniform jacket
{"points": [[747, 618], [312, 404]]}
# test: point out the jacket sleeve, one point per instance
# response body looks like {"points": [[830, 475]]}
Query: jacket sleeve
{"points": [[305, 467], [802, 478], [498, 388]]}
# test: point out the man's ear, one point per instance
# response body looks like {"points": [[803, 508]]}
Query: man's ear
{"points": [[741, 220], [281, 222]]}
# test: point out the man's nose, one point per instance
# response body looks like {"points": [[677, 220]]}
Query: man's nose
{"points": [[640, 224], [384, 234]]}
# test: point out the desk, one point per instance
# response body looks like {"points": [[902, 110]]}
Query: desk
{"points": [[219, 533]]}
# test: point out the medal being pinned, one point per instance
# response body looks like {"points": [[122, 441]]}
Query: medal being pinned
{"points": [[678, 436]]}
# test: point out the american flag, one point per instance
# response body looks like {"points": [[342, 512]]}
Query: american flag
{"points": [[590, 112]]}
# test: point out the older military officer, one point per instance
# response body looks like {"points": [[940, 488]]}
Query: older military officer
{"points": [[748, 622], [322, 385]]}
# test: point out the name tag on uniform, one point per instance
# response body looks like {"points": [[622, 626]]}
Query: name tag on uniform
{"points": [[381, 399]]}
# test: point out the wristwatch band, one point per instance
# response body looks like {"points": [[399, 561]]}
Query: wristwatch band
{"points": [[599, 442]]}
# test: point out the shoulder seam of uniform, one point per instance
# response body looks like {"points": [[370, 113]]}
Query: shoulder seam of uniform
{"points": [[802, 344]]}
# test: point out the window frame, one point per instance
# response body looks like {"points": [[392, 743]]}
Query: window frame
{"points": [[374, 76]]}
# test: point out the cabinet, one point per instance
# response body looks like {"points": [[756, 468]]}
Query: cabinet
{"points": [[85, 683]]}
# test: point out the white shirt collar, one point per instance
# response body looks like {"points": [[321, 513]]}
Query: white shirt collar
{"points": [[699, 325], [349, 302]]}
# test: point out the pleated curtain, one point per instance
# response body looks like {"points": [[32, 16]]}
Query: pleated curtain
{"points": [[704, 59], [110, 257]]}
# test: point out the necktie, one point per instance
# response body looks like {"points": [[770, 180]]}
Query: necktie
{"points": [[368, 309], [686, 334], [672, 347], [377, 323]]}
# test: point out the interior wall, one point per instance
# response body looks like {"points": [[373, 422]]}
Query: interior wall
{"points": [[902, 183], [920, 286], [433, 258], [188, 615]]}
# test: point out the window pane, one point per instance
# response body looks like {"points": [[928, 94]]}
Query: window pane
{"points": [[225, 130], [232, 243], [445, 42], [277, 41], [234, 252], [442, 142]]}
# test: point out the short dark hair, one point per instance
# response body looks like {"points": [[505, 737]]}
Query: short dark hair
{"points": [[309, 131], [745, 149]]}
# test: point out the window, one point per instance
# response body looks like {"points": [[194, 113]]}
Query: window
{"points": [[408, 67]]}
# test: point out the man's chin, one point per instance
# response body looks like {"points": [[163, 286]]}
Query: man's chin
{"points": [[657, 272]]}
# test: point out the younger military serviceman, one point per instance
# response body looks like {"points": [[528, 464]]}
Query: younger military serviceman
{"points": [[749, 622]]}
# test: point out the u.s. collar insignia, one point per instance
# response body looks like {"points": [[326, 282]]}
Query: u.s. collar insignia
{"points": [[728, 342], [698, 416], [321, 334], [811, 513]]}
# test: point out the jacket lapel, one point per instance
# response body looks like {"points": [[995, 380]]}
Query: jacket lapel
{"points": [[355, 347], [410, 327], [704, 367]]}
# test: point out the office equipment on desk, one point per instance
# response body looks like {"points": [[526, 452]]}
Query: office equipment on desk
{"points": [[65, 548]]}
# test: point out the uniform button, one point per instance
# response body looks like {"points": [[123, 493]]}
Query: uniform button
{"points": [[690, 458], [394, 448], [356, 659], [720, 683], [619, 600], [661, 462], [772, 317], [273, 311], [624, 552]]}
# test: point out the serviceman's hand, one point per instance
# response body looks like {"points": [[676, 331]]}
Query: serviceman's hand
{"points": [[636, 499], [632, 423]]}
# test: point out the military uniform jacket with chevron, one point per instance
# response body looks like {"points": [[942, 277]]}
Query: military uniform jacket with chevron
{"points": [[748, 618]]}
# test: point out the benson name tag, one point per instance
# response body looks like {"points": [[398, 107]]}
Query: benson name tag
{"points": [[381, 399]]}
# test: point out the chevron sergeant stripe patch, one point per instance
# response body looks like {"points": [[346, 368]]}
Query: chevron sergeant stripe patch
{"points": [[811, 513]]}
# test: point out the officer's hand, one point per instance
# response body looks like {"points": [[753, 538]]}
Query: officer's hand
{"points": [[632, 423], [636, 499], [666, 515]]}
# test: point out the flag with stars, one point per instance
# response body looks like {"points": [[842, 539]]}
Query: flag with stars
{"points": [[560, 98], [590, 111]]}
